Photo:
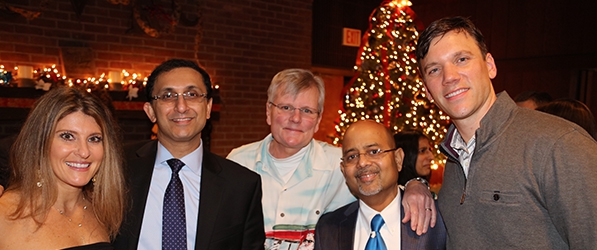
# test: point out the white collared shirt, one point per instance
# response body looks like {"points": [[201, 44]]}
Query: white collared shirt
{"points": [[190, 175], [465, 150], [390, 231]]}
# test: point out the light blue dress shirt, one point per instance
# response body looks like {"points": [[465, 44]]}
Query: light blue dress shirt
{"points": [[190, 175]]}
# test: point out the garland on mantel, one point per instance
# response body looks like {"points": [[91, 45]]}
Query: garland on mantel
{"points": [[50, 77]]}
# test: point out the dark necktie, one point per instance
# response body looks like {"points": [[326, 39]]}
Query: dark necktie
{"points": [[174, 226], [375, 242]]}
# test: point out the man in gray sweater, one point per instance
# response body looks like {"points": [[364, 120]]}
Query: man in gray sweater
{"points": [[515, 178]]}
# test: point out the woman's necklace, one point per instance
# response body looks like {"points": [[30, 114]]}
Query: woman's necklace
{"points": [[61, 212]]}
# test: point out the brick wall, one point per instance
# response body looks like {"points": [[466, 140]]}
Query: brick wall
{"points": [[241, 43]]}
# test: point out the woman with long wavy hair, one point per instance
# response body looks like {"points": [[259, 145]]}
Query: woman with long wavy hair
{"points": [[66, 189]]}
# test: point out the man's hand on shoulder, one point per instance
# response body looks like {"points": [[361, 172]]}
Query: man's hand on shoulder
{"points": [[419, 207], [1, 190]]}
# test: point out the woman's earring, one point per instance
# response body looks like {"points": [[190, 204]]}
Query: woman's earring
{"points": [[40, 182]]}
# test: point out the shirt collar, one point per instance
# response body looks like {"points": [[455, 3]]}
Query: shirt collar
{"points": [[189, 160], [460, 145], [390, 214]]}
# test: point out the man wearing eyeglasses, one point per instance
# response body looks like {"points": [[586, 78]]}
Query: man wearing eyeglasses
{"points": [[209, 202], [301, 176], [370, 165]]}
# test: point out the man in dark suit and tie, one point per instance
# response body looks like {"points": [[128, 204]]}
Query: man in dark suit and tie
{"points": [[370, 164], [184, 197]]}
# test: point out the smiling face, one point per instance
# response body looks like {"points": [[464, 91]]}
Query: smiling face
{"points": [[181, 120], [424, 157], [458, 77], [292, 130], [76, 150], [371, 178]]}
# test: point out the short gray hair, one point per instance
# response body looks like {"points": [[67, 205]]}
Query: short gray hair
{"points": [[293, 82]]}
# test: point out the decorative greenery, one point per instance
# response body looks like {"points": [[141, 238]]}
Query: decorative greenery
{"points": [[50, 77]]}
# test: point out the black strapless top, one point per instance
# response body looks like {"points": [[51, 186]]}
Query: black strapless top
{"points": [[94, 246]]}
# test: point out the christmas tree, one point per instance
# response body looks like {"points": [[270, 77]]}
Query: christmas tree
{"points": [[387, 86]]}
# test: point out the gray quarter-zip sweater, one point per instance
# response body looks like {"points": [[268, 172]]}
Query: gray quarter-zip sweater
{"points": [[532, 184]]}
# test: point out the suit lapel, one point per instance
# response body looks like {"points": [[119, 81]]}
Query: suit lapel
{"points": [[140, 168], [209, 200], [347, 227]]}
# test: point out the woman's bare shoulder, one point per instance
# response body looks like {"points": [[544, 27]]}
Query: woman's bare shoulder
{"points": [[8, 202], [8, 225]]}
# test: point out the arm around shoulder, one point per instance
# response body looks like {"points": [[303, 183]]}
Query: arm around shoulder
{"points": [[419, 206]]}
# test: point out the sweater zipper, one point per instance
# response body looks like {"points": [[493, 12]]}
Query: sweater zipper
{"points": [[463, 193], [463, 197], [463, 188]]}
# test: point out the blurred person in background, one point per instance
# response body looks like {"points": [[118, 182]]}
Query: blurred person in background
{"points": [[417, 155], [532, 99], [574, 111]]}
